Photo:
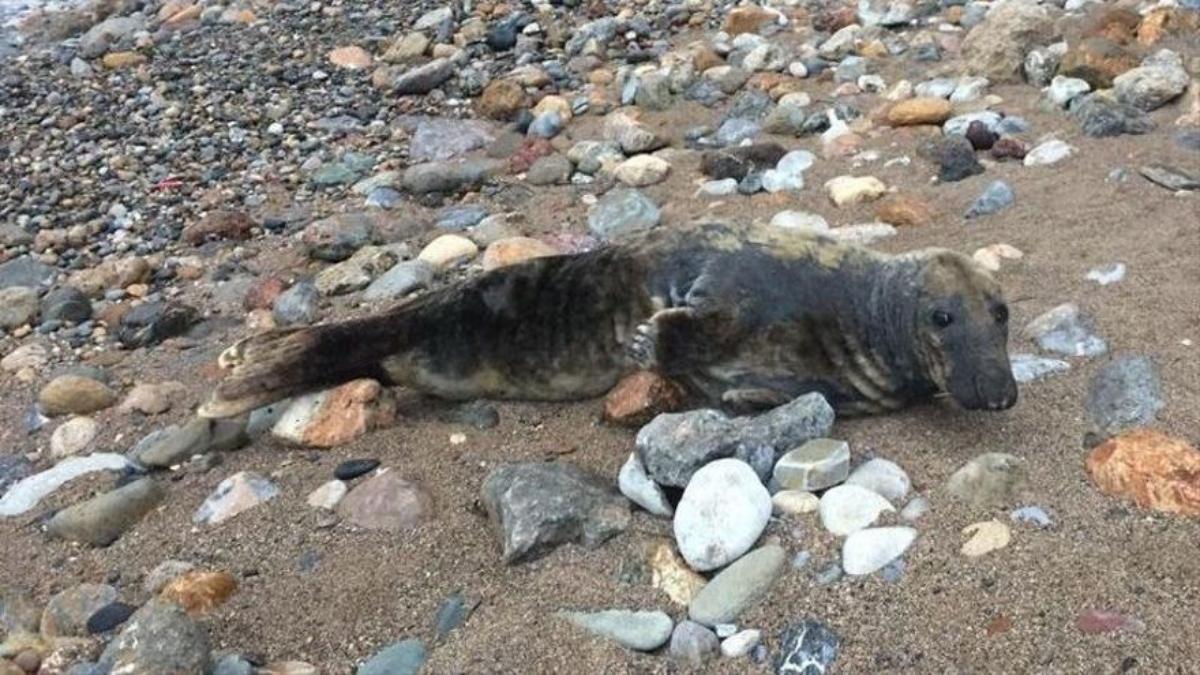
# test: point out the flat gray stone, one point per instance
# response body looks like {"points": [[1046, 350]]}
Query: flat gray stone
{"points": [[816, 465], [100, 520], [641, 631], [738, 587]]}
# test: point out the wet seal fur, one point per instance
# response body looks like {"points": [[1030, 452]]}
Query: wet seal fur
{"points": [[746, 319]]}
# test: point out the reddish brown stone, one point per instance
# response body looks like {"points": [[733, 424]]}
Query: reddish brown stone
{"points": [[1112, 23], [387, 502], [1098, 622], [999, 625], [531, 150], [513, 250], [1097, 60], [502, 100], [1008, 148], [1164, 22], [199, 592], [337, 416], [639, 397], [219, 225], [832, 18], [1152, 469], [263, 292]]}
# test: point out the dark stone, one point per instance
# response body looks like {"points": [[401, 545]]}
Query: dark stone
{"points": [[956, 159], [806, 648], [502, 36], [980, 136], [750, 104], [66, 304], [13, 468], [109, 617], [149, 324], [1008, 148], [353, 468], [158, 638], [1101, 118]]}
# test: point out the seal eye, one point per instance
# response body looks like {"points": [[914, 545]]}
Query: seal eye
{"points": [[942, 319], [1000, 314]]}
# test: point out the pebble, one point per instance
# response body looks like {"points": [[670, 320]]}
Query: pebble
{"points": [[75, 395], [883, 477], [806, 647], [1107, 274], [738, 587], [692, 645], [920, 110], [163, 574], [639, 489], [353, 468], [1063, 89], [622, 212], [1030, 368], [741, 643], [723, 511], [67, 612], [18, 307], [328, 495], [158, 638], [450, 176], [642, 171], [73, 437], [447, 251], [297, 305], [403, 278], [1124, 394], [816, 465], [406, 657], [236, 494], [1032, 515], [641, 631], [990, 479], [794, 502], [846, 509], [452, 614], [985, 537], [335, 417], [101, 520], [914, 509], [800, 220], [30, 356], [1100, 622], [1150, 469], [630, 134], [870, 550], [671, 575], [1067, 331], [151, 323], [845, 190], [25, 493], [536, 507], [388, 503], [1050, 152]]}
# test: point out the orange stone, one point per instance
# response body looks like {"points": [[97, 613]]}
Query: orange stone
{"points": [[905, 211], [351, 58], [1116, 24], [514, 250], [704, 58], [1097, 60], [921, 110], [199, 592], [348, 412], [1152, 469], [747, 19], [502, 100], [639, 397], [1164, 22], [185, 14]]}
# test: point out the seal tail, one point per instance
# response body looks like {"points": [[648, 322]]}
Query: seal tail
{"points": [[277, 365]]}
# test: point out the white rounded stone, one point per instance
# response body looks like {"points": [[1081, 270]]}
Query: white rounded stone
{"points": [[846, 509], [870, 550], [883, 477], [723, 511]]}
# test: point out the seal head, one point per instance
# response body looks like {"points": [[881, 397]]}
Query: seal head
{"points": [[962, 328]]}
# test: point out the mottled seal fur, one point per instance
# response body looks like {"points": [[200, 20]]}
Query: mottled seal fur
{"points": [[744, 318]]}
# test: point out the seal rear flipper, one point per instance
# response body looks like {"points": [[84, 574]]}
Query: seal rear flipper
{"points": [[274, 366]]}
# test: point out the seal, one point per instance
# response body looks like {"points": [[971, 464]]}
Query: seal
{"points": [[744, 318]]}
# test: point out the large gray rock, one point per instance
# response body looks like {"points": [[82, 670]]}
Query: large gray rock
{"points": [[643, 631], [1159, 80], [536, 507], [674, 445], [421, 79], [402, 658], [100, 520], [1124, 394], [102, 36], [173, 445], [442, 138], [403, 278], [738, 587], [18, 306], [159, 638], [1066, 330], [25, 271]]}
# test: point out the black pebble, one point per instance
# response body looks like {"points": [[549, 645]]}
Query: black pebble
{"points": [[353, 468], [109, 617]]}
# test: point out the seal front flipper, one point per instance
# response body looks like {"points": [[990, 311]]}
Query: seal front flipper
{"points": [[679, 339]]}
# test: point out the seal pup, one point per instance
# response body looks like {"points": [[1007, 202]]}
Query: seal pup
{"points": [[745, 319]]}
